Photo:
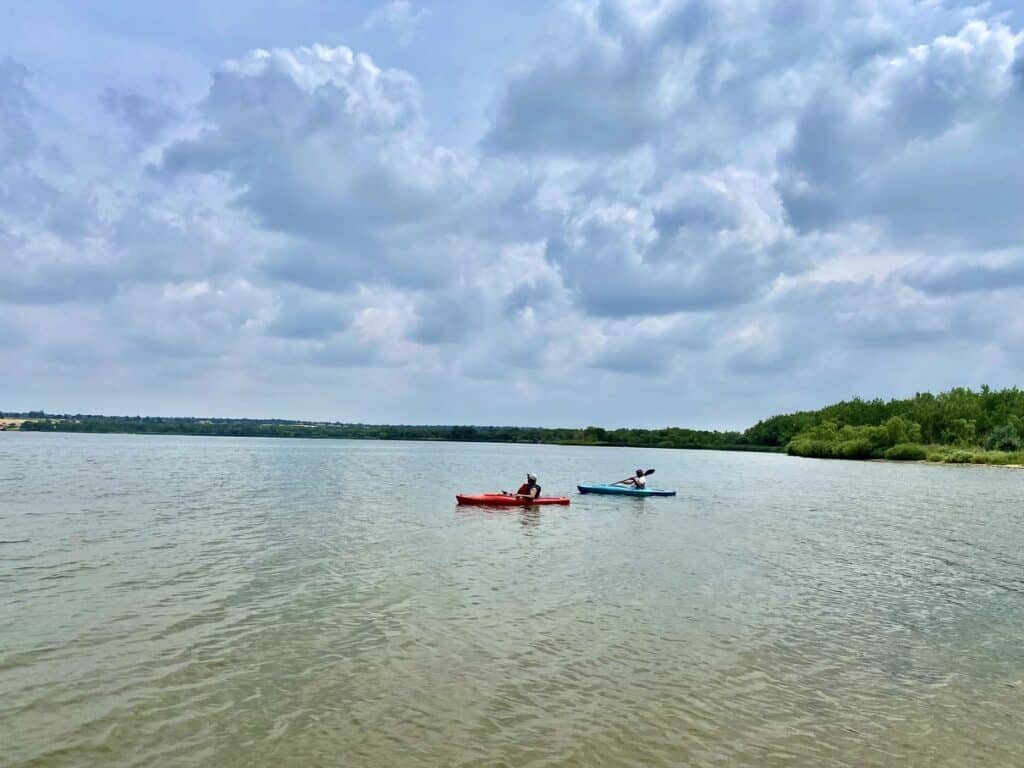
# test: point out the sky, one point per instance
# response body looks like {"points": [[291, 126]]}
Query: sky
{"points": [[609, 212]]}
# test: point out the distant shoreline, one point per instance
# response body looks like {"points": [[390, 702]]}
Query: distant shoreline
{"points": [[961, 426], [669, 438], [982, 462]]}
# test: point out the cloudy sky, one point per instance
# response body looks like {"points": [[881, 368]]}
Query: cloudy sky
{"points": [[612, 212]]}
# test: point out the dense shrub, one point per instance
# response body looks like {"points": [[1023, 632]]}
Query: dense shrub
{"points": [[991, 457], [827, 440], [960, 417], [858, 448], [960, 457], [906, 452], [999, 457], [811, 448], [1004, 438], [960, 432]]}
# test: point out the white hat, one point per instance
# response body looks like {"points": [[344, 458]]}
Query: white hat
{"points": [[530, 476]]}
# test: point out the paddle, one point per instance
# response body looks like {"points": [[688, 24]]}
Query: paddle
{"points": [[648, 472], [517, 495]]}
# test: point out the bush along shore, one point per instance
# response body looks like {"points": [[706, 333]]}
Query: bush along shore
{"points": [[956, 427], [961, 426]]}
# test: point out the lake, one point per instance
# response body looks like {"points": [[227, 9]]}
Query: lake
{"points": [[254, 602]]}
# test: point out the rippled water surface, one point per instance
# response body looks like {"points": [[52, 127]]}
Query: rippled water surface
{"points": [[246, 602]]}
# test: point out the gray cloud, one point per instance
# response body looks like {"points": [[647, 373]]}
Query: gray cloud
{"points": [[17, 136], [634, 356], [924, 142], [148, 118], [37, 218], [956, 276], [56, 284], [697, 243], [299, 320], [689, 74], [601, 83]]}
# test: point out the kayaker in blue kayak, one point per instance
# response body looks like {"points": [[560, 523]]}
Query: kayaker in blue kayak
{"points": [[639, 481], [631, 486], [529, 489]]}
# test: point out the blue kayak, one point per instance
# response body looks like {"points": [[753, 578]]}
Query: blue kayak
{"points": [[623, 490]]}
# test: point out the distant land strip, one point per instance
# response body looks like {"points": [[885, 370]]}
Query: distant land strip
{"points": [[961, 426], [672, 437]]}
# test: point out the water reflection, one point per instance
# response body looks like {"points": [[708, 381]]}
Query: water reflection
{"points": [[530, 517]]}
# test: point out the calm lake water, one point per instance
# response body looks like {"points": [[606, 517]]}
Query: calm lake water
{"points": [[242, 602]]}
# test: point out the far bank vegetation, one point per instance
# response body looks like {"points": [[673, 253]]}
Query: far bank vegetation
{"points": [[961, 426], [957, 427]]}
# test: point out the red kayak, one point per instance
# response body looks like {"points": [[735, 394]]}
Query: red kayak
{"points": [[507, 500]]}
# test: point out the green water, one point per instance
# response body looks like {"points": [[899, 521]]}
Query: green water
{"points": [[247, 602]]}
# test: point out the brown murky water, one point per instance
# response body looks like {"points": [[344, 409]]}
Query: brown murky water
{"points": [[246, 602]]}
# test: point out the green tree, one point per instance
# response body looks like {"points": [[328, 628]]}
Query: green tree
{"points": [[960, 432], [901, 430], [1004, 438]]}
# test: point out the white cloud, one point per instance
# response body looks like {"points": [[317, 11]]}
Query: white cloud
{"points": [[672, 199], [324, 146]]}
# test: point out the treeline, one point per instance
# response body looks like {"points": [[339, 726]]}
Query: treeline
{"points": [[672, 437], [959, 426]]}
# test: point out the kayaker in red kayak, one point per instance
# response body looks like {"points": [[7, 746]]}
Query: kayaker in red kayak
{"points": [[529, 489]]}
